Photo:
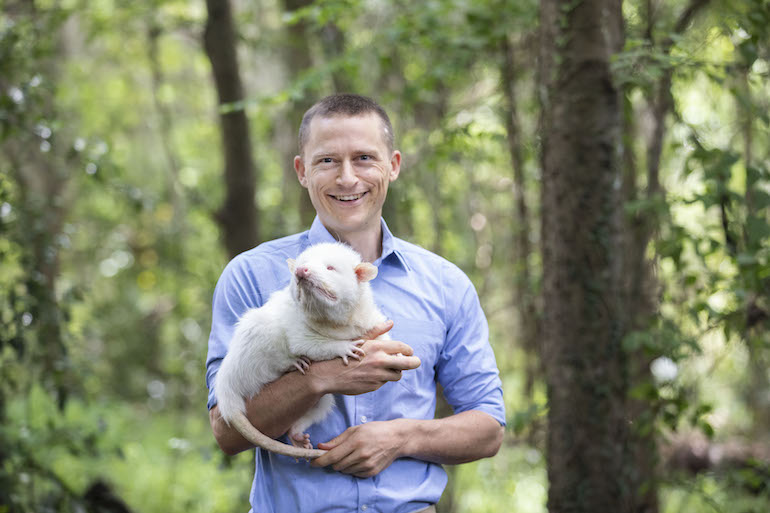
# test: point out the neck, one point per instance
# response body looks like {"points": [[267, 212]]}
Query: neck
{"points": [[367, 243]]}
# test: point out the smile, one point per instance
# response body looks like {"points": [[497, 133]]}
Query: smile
{"points": [[348, 197]]}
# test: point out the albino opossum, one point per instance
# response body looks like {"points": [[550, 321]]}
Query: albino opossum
{"points": [[321, 315]]}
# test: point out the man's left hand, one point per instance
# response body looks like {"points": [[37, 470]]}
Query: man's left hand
{"points": [[364, 450]]}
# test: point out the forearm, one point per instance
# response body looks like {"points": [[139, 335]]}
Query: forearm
{"points": [[277, 406], [280, 403], [460, 438]]}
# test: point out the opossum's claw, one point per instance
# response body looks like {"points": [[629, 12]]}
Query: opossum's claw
{"points": [[358, 352], [301, 364], [353, 351]]}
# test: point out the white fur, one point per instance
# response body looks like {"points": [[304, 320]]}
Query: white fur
{"points": [[320, 317]]}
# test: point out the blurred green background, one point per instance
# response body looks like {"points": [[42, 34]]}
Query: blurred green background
{"points": [[110, 246]]}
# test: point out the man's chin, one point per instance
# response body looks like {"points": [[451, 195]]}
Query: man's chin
{"points": [[347, 222]]}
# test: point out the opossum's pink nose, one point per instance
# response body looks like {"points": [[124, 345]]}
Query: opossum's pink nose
{"points": [[302, 272]]}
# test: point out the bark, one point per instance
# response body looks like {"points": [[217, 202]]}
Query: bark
{"points": [[522, 248], [583, 358], [399, 204], [238, 215], [333, 42], [297, 56]]}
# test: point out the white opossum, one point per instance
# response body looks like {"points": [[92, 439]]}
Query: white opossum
{"points": [[322, 314]]}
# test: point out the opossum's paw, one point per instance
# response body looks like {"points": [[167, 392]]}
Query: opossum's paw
{"points": [[301, 440], [302, 363], [353, 350]]}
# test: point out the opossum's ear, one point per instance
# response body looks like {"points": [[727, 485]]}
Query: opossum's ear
{"points": [[292, 264], [365, 271]]}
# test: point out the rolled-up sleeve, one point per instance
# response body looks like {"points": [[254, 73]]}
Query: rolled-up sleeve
{"points": [[467, 369], [235, 292]]}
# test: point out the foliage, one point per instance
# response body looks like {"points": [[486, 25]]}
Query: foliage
{"points": [[111, 106]]}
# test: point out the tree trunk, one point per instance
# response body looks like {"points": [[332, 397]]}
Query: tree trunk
{"points": [[238, 215], [333, 43], [522, 249], [297, 58], [584, 361]]}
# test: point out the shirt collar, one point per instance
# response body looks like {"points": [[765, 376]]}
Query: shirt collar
{"points": [[390, 244]]}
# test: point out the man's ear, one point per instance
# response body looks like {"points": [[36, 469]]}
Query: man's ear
{"points": [[395, 165], [365, 271], [299, 168], [292, 264]]}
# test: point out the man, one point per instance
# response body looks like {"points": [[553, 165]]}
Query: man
{"points": [[385, 449]]}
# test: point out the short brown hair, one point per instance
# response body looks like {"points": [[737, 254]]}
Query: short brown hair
{"points": [[345, 104]]}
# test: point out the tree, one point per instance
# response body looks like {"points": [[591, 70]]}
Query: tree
{"points": [[238, 215], [583, 358]]}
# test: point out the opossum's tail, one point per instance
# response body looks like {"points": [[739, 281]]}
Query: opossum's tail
{"points": [[250, 433], [229, 400]]}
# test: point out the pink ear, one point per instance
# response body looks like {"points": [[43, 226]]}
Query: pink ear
{"points": [[365, 271]]}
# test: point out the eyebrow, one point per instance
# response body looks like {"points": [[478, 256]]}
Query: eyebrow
{"points": [[360, 151]]}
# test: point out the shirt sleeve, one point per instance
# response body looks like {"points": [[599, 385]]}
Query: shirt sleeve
{"points": [[466, 368], [237, 291]]}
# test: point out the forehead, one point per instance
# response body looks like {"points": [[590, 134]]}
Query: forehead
{"points": [[366, 128]]}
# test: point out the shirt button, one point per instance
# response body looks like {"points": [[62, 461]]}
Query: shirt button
{"points": [[363, 419], [364, 507]]}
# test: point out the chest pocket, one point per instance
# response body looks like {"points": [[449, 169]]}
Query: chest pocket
{"points": [[426, 339]]}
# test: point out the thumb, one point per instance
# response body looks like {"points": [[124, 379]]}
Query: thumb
{"points": [[379, 329]]}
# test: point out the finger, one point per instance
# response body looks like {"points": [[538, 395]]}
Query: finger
{"points": [[378, 330], [402, 362], [335, 452], [395, 347], [350, 464], [336, 441]]}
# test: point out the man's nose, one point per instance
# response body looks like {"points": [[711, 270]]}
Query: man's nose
{"points": [[346, 176]]}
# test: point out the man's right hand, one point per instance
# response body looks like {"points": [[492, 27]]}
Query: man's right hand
{"points": [[384, 361]]}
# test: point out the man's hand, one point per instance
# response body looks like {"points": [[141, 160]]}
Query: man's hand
{"points": [[368, 449], [364, 450], [384, 361]]}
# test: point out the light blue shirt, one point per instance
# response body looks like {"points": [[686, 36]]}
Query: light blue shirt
{"points": [[435, 310]]}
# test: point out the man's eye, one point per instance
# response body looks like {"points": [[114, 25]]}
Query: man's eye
{"points": [[365, 157], [326, 160]]}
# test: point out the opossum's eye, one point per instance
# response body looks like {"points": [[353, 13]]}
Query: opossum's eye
{"points": [[330, 267]]}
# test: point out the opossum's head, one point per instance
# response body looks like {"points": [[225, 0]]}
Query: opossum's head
{"points": [[329, 281]]}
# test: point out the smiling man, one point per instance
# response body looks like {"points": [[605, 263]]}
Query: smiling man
{"points": [[385, 449]]}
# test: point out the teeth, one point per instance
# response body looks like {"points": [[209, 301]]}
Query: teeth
{"points": [[350, 197]]}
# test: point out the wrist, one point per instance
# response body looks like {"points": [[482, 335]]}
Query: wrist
{"points": [[319, 383], [409, 432]]}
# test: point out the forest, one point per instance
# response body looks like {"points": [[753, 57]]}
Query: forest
{"points": [[600, 170]]}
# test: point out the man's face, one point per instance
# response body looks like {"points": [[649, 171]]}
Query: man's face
{"points": [[346, 167]]}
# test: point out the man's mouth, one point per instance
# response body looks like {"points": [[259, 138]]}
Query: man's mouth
{"points": [[348, 197]]}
